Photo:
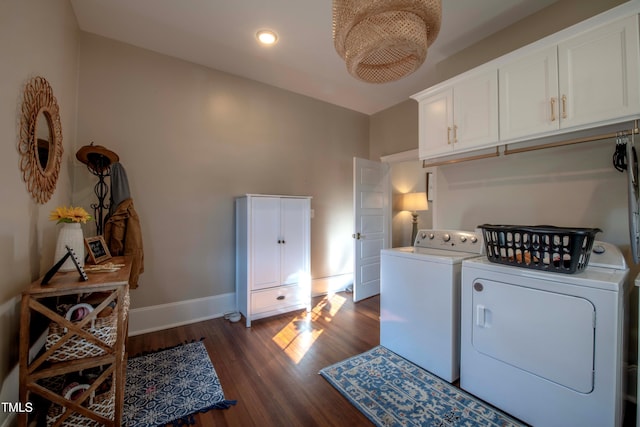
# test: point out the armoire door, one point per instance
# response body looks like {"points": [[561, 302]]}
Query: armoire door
{"points": [[265, 235], [294, 238]]}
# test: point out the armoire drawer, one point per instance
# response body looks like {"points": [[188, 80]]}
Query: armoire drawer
{"points": [[277, 298]]}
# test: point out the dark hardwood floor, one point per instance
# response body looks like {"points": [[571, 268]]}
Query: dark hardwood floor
{"points": [[271, 369]]}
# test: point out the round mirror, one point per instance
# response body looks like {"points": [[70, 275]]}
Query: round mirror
{"points": [[40, 144], [43, 139]]}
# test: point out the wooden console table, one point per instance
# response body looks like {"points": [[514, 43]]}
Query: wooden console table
{"points": [[111, 287]]}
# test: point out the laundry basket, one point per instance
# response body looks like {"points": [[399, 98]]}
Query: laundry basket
{"points": [[101, 404], [76, 347], [548, 248]]}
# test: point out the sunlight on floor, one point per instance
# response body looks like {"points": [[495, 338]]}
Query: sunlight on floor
{"points": [[300, 334]]}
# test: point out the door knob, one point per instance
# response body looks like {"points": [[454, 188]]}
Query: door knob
{"points": [[356, 236]]}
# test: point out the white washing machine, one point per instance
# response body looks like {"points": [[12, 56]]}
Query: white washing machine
{"points": [[420, 299], [547, 348]]}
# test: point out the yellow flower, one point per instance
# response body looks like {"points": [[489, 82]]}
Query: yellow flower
{"points": [[69, 214], [57, 214]]}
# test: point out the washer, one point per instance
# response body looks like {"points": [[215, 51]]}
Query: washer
{"points": [[420, 299], [547, 348]]}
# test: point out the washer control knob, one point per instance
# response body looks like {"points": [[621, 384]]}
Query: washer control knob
{"points": [[446, 237], [463, 239], [474, 239], [423, 235], [431, 236]]}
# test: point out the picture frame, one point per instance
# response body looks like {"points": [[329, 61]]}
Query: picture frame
{"points": [[70, 253], [97, 248]]}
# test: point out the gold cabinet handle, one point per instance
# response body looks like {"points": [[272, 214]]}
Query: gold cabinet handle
{"points": [[449, 135], [564, 106], [553, 109], [455, 133]]}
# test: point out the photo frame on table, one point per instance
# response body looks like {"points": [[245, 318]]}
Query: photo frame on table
{"points": [[97, 247], [70, 253]]}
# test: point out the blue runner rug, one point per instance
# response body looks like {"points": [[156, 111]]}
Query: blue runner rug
{"points": [[171, 385], [392, 391]]}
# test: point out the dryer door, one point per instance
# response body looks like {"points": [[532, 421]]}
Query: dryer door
{"points": [[546, 334]]}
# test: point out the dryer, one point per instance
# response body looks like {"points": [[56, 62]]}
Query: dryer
{"points": [[547, 348]]}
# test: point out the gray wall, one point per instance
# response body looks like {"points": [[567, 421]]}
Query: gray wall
{"points": [[37, 38], [191, 139]]}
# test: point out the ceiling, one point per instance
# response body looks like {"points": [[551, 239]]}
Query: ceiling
{"points": [[220, 34]]}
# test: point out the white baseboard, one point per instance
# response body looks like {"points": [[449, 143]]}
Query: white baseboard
{"points": [[331, 284], [164, 316]]}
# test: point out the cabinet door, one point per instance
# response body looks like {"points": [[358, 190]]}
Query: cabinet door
{"points": [[295, 235], [529, 95], [265, 249], [436, 124], [475, 111], [599, 74]]}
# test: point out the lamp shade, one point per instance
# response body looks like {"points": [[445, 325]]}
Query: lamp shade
{"points": [[415, 202], [384, 40]]}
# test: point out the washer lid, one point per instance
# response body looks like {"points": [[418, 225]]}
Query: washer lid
{"points": [[440, 256]]}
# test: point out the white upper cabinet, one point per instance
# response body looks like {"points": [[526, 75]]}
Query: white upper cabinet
{"points": [[435, 124], [599, 74], [584, 77], [475, 111], [589, 79], [461, 117], [529, 95]]}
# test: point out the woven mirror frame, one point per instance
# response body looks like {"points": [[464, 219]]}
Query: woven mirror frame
{"points": [[384, 40], [40, 142]]}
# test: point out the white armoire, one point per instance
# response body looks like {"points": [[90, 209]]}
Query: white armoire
{"points": [[273, 255]]}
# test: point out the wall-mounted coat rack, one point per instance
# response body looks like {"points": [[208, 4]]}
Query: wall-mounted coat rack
{"points": [[98, 160]]}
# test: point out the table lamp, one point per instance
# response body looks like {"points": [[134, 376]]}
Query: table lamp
{"points": [[414, 202]]}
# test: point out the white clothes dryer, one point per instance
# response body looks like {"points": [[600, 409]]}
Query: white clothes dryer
{"points": [[547, 348], [420, 299]]}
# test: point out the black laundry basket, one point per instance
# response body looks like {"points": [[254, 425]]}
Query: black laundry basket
{"points": [[548, 248]]}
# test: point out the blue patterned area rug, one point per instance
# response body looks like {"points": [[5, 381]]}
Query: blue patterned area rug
{"points": [[392, 391], [169, 386]]}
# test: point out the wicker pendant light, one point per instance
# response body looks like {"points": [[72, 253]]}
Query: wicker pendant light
{"points": [[384, 40]]}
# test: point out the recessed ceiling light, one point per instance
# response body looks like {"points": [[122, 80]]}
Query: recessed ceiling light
{"points": [[267, 37]]}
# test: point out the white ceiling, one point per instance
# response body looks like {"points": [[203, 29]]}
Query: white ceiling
{"points": [[220, 34]]}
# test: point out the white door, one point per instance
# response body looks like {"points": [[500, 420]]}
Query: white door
{"points": [[372, 213]]}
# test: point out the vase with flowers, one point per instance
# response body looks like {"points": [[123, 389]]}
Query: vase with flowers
{"points": [[70, 234]]}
